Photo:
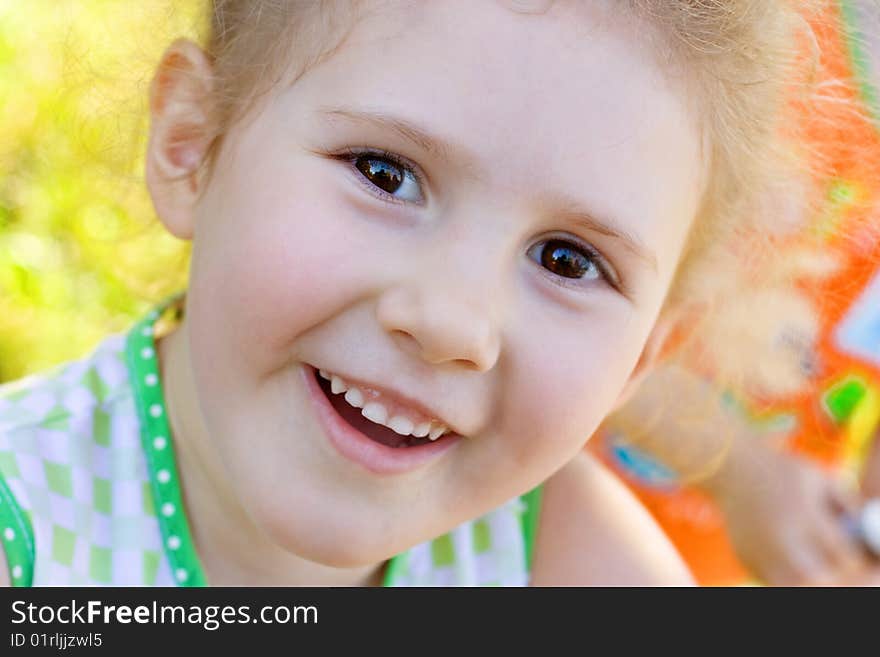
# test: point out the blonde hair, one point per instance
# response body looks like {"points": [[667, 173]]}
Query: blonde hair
{"points": [[739, 58], [254, 43], [746, 62]]}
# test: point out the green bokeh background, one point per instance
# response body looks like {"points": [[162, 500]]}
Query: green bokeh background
{"points": [[81, 252]]}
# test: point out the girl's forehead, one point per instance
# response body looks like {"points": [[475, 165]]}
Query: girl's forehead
{"points": [[527, 6], [561, 17], [559, 67], [571, 90]]}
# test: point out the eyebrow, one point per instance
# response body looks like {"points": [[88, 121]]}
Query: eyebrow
{"points": [[409, 131], [443, 149], [610, 228]]}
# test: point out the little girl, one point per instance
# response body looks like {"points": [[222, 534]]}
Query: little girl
{"points": [[434, 245]]}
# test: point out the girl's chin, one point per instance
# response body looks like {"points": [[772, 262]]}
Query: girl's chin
{"points": [[333, 545]]}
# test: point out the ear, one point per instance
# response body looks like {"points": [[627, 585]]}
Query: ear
{"points": [[180, 134], [663, 330]]}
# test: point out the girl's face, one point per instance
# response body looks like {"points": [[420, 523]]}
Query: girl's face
{"points": [[471, 214]]}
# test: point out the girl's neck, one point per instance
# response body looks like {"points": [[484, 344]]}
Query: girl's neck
{"points": [[232, 549]]}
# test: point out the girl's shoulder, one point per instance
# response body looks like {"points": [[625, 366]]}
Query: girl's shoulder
{"points": [[56, 430], [593, 531], [53, 398]]}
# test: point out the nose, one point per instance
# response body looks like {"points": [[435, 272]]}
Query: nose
{"points": [[440, 326]]}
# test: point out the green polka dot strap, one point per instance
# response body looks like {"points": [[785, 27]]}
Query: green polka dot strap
{"points": [[156, 438], [16, 537]]}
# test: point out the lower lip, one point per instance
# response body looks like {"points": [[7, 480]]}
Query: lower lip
{"points": [[355, 446]]}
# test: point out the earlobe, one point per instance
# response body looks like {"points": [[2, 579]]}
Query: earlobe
{"points": [[180, 134]]}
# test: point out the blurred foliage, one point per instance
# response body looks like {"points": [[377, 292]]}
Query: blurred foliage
{"points": [[81, 252]]}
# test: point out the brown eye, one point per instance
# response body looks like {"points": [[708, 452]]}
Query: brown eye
{"points": [[385, 175], [568, 260]]}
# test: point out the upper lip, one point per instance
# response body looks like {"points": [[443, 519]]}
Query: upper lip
{"points": [[395, 395]]}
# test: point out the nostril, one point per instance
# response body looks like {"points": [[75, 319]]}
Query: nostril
{"points": [[469, 364], [406, 341]]}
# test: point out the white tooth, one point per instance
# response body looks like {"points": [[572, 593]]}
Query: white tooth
{"points": [[337, 385], [422, 430], [325, 374], [436, 432], [401, 425], [376, 412], [354, 397]]}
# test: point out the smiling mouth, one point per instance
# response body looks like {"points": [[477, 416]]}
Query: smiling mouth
{"points": [[375, 432]]}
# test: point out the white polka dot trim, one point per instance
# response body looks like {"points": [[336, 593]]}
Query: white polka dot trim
{"points": [[151, 379], [173, 542], [156, 410], [9, 533], [167, 509], [147, 352], [163, 476], [147, 331], [181, 575], [16, 572], [159, 442]]}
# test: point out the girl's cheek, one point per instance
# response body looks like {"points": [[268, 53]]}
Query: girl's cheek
{"points": [[566, 384], [279, 262]]}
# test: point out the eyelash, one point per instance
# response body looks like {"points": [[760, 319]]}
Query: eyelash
{"points": [[351, 155]]}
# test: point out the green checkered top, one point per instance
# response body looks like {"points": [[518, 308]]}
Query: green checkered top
{"points": [[89, 493]]}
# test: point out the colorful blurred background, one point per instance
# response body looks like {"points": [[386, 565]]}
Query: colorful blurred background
{"points": [[81, 254]]}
